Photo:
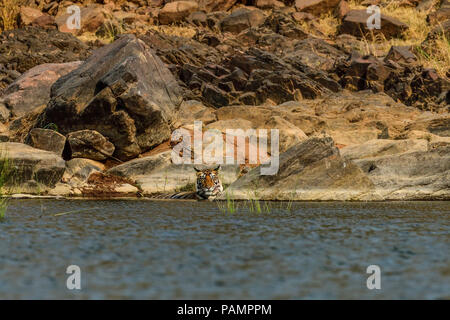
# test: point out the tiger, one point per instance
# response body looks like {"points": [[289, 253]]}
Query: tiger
{"points": [[207, 187]]}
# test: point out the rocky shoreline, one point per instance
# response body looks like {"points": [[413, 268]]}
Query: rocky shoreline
{"points": [[86, 115]]}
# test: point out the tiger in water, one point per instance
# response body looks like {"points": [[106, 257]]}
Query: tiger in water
{"points": [[208, 186]]}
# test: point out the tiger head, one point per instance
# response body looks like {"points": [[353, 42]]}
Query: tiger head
{"points": [[208, 183]]}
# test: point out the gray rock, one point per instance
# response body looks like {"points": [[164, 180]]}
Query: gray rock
{"points": [[419, 175], [31, 168], [310, 170], [123, 91], [78, 170], [383, 147], [46, 139], [242, 19], [89, 144]]}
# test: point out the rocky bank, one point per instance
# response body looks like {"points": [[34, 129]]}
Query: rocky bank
{"points": [[90, 112]]}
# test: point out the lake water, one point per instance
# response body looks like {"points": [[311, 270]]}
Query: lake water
{"points": [[192, 250]]}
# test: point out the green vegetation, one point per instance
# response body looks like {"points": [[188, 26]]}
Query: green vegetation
{"points": [[5, 173], [51, 126], [110, 30], [231, 206]]}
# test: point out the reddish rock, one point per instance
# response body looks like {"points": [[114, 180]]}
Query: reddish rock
{"points": [[45, 21], [32, 89], [342, 9], [92, 18], [269, 4], [176, 11], [27, 15]]}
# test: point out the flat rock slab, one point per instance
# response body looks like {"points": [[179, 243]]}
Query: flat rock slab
{"points": [[420, 175], [157, 174], [383, 147], [28, 166], [310, 170]]}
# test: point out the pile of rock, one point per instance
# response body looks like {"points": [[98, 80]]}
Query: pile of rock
{"points": [[98, 122]]}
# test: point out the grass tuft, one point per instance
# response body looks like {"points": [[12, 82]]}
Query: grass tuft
{"points": [[431, 54], [5, 173], [9, 13]]}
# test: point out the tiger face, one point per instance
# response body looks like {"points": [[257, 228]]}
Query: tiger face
{"points": [[208, 183]]}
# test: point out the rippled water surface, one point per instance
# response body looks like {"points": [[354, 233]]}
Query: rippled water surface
{"points": [[191, 250]]}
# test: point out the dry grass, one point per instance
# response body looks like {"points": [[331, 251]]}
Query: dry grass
{"points": [[186, 32], [9, 11], [436, 56], [327, 26]]}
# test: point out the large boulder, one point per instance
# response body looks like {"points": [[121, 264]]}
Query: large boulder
{"points": [[355, 23], [29, 169], [32, 89], [46, 139], [418, 175], [176, 11], [289, 134], [89, 144], [310, 170], [123, 91]]}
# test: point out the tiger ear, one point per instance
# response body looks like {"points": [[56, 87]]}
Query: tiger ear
{"points": [[198, 170], [217, 168]]}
